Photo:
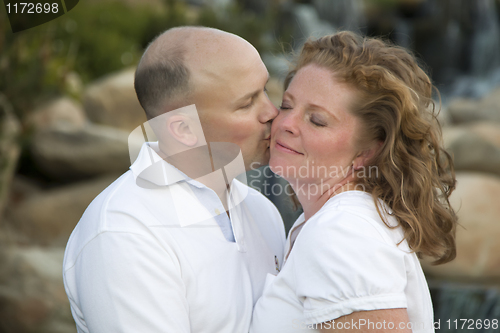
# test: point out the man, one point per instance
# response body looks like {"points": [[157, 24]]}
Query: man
{"points": [[177, 244]]}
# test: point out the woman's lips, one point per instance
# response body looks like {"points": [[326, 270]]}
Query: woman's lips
{"points": [[286, 149]]}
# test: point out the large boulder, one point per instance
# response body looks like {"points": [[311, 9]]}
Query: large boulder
{"points": [[478, 249], [489, 131], [65, 154], [472, 150], [32, 296], [466, 110], [443, 115], [490, 105], [48, 217], [112, 101], [61, 112]]}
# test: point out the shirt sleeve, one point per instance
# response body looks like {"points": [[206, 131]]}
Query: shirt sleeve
{"points": [[124, 282], [344, 265]]}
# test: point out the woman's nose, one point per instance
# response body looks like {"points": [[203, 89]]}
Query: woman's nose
{"points": [[288, 121]]}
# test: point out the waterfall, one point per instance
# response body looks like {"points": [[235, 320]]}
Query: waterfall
{"points": [[486, 39], [343, 14]]}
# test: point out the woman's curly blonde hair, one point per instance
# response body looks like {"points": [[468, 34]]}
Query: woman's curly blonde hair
{"points": [[394, 103]]}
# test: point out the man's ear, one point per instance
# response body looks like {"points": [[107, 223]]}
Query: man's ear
{"points": [[179, 127], [363, 157]]}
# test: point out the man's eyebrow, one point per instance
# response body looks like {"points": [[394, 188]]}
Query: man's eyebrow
{"points": [[254, 93]]}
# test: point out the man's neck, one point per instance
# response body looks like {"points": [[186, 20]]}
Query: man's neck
{"points": [[199, 166]]}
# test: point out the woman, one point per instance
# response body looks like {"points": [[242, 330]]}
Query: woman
{"points": [[357, 140]]}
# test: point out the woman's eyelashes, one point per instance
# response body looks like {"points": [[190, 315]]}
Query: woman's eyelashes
{"points": [[284, 106], [316, 121]]}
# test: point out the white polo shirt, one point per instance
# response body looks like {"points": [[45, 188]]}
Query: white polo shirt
{"points": [[344, 260], [148, 256]]}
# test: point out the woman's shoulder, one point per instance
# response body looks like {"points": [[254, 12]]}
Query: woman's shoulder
{"points": [[354, 215]]}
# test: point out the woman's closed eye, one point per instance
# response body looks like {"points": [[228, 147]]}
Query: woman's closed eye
{"points": [[317, 121]]}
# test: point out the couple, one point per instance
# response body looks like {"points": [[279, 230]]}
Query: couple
{"points": [[355, 114]]}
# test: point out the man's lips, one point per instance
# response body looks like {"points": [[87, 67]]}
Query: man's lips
{"points": [[286, 149]]}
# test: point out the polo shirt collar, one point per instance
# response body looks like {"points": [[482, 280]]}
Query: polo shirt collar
{"points": [[151, 167]]}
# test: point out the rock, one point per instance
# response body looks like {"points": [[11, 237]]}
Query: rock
{"points": [[23, 188], [470, 151], [47, 218], [444, 116], [61, 112], [32, 296], [478, 249], [465, 110], [490, 105], [489, 131], [112, 101], [451, 133], [9, 149], [65, 154]]}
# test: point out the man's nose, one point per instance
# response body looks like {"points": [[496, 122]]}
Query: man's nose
{"points": [[269, 111]]}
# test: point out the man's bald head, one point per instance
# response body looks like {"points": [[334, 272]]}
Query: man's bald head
{"points": [[179, 60]]}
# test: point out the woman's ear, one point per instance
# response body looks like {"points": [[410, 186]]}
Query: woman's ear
{"points": [[363, 157], [179, 127]]}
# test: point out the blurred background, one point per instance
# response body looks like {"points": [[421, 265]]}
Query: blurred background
{"points": [[67, 106]]}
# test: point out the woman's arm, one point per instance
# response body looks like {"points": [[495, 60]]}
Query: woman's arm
{"points": [[376, 321]]}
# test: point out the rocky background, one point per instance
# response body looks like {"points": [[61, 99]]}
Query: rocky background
{"points": [[59, 150]]}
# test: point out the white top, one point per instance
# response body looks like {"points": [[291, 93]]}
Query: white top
{"points": [[147, 256], [345, 259]]}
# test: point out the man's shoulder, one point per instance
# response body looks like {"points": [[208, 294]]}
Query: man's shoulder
{"points": [[118, 208], [122, 196]]}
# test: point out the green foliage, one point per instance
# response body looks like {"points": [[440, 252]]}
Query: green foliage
{"points": [[111, 35], [92, 40], [97, 38]]}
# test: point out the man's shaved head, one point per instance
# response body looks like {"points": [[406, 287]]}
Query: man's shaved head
{"points": [[180, 61], [222, 75]]}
